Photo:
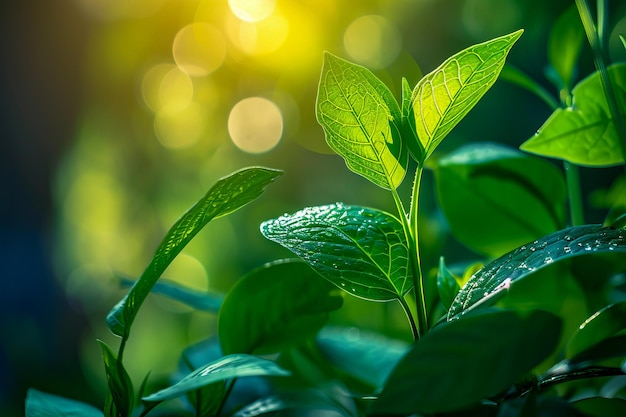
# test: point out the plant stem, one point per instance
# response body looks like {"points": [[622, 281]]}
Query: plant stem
{"points": [[586, 373], [409, 315], [418, 279], [572, 177]]}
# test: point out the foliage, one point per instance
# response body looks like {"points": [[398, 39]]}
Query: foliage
{"points": [[507, 339]]}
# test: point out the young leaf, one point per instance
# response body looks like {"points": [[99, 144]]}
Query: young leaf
{"points": [[500, 274], [409, 134], [566, 40], [443, 97], [361, 250], [496, 198], [602, 324], [40, 404], [227, 195], [279, 305], [120, 385], [361, 121], [227, 367], [585, 133], [464, 361], [447, 284]]}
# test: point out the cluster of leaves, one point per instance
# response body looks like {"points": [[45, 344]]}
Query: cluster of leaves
{"points": [[512, 338]]}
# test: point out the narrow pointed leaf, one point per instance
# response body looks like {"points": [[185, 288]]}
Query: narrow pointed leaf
{"points": [[487, 283], [443, 97], [40, 404], [585, 133], [458, 364], [120, 384], [409, 134], [228, 367], [280, 304], [361, 250], [227, 195], [361, 121], [602, 324], [565, 43], [447, 284]]}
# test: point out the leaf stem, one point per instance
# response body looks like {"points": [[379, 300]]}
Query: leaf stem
{"points": [[418, 279], [409, 316]]}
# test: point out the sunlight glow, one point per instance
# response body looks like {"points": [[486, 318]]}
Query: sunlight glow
{"points": [[166, 86], [255, 125], [252, 10], [199, 49], [258, 38], [180, 128], [372, 41]]}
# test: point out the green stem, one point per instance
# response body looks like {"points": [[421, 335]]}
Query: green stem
{"points": [[409, 315], [572, 177], [418, 279]]}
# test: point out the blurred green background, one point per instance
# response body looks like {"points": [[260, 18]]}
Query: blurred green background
{"points": [[117, 115]]}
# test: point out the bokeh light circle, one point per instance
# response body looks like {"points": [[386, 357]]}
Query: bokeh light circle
{"points": [[199, 49], [180, 128], [252, 10], [255, 125], [258, 38], [372, 41]]}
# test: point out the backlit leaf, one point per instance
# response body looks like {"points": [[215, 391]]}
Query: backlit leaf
{"points": [[361, 250], [40, 404], [443, 97], [279, 305], [497, 276], [585, 133], [362, 121], [227, 195], [409, 134]]}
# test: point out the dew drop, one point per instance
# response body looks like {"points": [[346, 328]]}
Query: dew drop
{"points": [[567, 249], [567, 238]]}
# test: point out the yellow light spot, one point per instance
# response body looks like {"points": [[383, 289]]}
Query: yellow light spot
{"points": [[258, 38], [199, 49], [180, 129], [252, 10], [255, 125], [372, 41]]}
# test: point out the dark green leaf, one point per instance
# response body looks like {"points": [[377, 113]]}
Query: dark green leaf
{"points": [[409, 134], [601, 407], [497, 276], [364, 355], [361, 250], [602, 324], [40, 404], [518, 77], [496, 198], [227, 195], [207, 400], [119, 383], [447, 284], [464, 361], [442, 98], [564, 45], [544, 407], [585, 133], [227, 367], [307, 402], [608, 348], [279, 305], [362, 121]]}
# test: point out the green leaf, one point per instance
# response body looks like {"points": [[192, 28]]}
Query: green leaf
{"points": [[608, 348], [564, 45], [227, 367], [361, 250], [488, 283], [496, 198], [443, 97], [227, 195], [604, 323], [521, 79], [464, 361], [409, 134], [585, 133], [447, 284], [207, 400], [40, 404], [306, 402], [120, 385], [601, 407], [361, 121], [280, 304]]}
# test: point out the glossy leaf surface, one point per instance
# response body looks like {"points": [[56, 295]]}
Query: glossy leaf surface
{"points": [[40, 404], [585, 133], [278, 305], [228, 367], [227, 195], [360, 250], [442, 98], [500, 274], [496, 198], [602, 324], [362, 121], [464, 361]]}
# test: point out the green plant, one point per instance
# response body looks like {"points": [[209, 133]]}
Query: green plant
{"points": [[515, 337]]}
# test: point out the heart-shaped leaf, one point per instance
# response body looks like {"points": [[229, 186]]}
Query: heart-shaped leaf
{"points": [[585, 133], [227, 367], [443, 97], [361, 250], [227, 195], [499, 275], [279, 305], [362, 121], [464, 361]]}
